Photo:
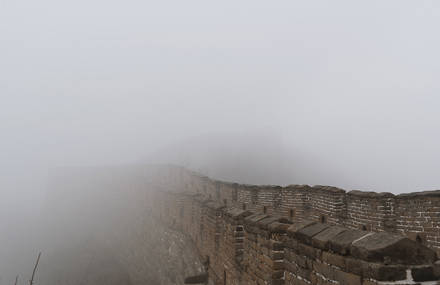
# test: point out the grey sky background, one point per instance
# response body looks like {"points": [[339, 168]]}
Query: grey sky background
{"points": [[310, 92], [342, 93]]}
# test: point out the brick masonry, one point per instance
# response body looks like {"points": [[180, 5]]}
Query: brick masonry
{"points": [[301, 234]]}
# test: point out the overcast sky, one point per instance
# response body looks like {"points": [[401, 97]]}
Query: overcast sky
{"points": [[310, 92]]}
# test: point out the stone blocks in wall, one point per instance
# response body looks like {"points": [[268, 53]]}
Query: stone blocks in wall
{"points": [[392, 249], [322, 239], [318, 265], [275, 235]]}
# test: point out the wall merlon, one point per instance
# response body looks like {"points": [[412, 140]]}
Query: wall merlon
{"points": [[381, 195]]}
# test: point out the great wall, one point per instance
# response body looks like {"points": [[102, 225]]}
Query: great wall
{"points": [[300, 234], [160, 224]]}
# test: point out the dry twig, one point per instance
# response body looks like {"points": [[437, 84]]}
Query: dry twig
{"points": [[35, 269]]}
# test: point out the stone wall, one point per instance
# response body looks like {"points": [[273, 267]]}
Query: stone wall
{"points": [[301, 234], [416, 215]]}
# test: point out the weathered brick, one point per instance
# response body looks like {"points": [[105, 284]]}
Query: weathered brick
{"points": [[288, 244]]}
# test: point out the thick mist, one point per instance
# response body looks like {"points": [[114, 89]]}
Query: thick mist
{"points": [[352, 86], [334, 93]]}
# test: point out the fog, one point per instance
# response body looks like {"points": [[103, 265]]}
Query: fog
{"points": [[337, 93]]}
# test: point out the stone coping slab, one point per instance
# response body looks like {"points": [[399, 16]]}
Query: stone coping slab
{"points": [[392, 249]]}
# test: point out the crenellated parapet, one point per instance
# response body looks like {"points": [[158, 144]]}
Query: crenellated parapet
{"points": [[301, 234], [416, 215]]}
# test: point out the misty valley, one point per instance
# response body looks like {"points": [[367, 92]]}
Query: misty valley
{"points": [[96, 228]]}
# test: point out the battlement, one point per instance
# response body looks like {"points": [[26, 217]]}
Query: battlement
{"points": [[303, 234], [416, 215]]}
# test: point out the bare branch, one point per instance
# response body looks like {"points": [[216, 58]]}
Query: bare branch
{"points": [[35, 269]]}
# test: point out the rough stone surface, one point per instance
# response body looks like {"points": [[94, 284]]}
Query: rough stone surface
{"points": [[341, 243], [306, 234], [424, 273], [392, 249], [322, 239]]}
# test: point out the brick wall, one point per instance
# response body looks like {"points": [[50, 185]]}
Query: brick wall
{"points": [[300, 234], [416, 215]]}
